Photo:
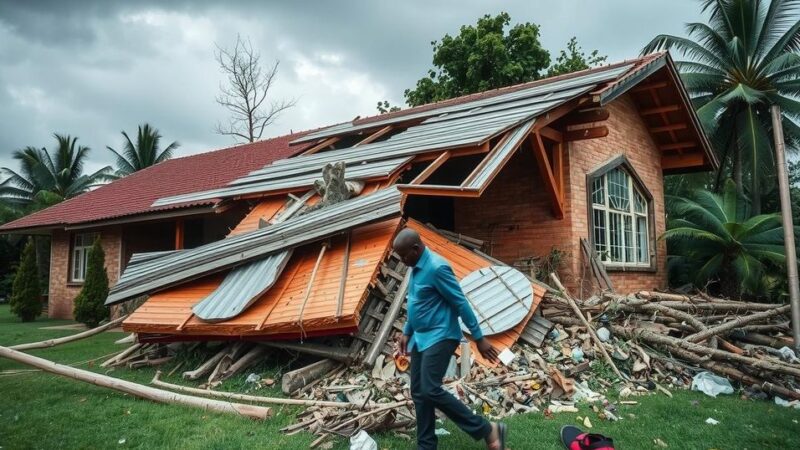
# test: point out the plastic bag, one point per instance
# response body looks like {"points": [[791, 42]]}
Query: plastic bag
{"points": [[362, 441], [711, 385]]}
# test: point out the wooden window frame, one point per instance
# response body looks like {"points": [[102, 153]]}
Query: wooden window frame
{"points": [[73, 248], [636, 183]]}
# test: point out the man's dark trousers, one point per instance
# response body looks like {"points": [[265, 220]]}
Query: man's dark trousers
{"points": [[427, 370]]}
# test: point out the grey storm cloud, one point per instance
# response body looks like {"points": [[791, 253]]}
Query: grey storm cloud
{"points": [[94, 68]]}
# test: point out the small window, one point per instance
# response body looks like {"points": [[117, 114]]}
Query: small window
{"points": [[80, 255], [620, 219]]}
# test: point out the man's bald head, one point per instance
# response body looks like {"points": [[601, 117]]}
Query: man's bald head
{"points": [[409, 246]]}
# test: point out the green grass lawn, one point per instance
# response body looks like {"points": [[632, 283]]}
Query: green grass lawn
{"points": [[39, 410]]}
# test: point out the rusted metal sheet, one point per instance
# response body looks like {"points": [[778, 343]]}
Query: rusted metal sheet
{"points": [[500, 296]]}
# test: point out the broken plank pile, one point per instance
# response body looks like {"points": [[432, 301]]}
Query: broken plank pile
{"points": [[665, 339]]}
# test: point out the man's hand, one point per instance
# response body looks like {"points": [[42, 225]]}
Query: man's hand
{"points": [[487, 350], [402, 342]]}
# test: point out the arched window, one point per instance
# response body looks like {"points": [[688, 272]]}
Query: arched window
{"points": [[620, 216]]}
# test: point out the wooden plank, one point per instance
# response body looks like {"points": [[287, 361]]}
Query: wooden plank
{"points": [[660, 109], [547, 175], [678, 145], [343, 279], [685, 161], [322, 145], [587, 116], [558, 168], [432, 167], [552, 134], [438, 190], [586, 133], [670, 127], [179, 234], [557, 113], [388, 320], [375, 135], [455, 152]]}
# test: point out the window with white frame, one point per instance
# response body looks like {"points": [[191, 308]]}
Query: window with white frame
{"points": [[81, 245], [620, 220]]}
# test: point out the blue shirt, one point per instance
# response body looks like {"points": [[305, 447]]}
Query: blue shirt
{"points": [[435, 302]]}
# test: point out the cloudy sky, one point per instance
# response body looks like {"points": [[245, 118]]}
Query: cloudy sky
{"points": [[94, 68]]}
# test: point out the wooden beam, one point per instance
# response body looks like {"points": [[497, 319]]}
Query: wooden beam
{"points": [[322, 145], [670, 127], [552, 134], [343, 278], [375, 135], [455, 152], [687, 160], [586, 133], [557, 113], [660, 109], [587, 116], [179, 234], [547, 174], [438, 190], [650, 86], [558, 168], [678, 145], [425, 174]]}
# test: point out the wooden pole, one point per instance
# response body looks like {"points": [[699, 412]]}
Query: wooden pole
{"points": [[134, 389], [71, 338], [296, 379], [788, 227], [588, 326], [736, 323]]}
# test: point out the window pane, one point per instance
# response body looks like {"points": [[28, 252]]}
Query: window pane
{"points": [[628, 220], [615, 236], [640, 205], [618, 193], [598, 191], [599, 223], [642, 243]]}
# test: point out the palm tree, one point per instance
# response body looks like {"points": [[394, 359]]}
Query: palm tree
{"points": [[720, 244], [144, 154], [738, 65], [46, 178]]}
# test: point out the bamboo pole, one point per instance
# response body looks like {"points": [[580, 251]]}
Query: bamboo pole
{"points": [[247, 398], [788, 227], [137, 390], [74, 337], [586, 323], [736, 323], [296, 379]]}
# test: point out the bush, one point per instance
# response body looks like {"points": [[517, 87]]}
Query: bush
{"points": [[26, 293], [89, 304]]}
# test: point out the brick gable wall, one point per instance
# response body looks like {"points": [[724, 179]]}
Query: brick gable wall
{"points": [[514, 214]]}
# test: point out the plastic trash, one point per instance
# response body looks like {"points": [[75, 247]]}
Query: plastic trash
{"points": [[603, 334], [787, 354], [788, 404], [441, 432], [711, 421], [577, 354], [710, 384], [253, 378], [362, 441]]}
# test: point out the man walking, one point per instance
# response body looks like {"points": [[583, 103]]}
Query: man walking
{"points": [[432, 333]]}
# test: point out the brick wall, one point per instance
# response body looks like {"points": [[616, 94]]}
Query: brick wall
{"points": [[62, 292], [514, 214]]}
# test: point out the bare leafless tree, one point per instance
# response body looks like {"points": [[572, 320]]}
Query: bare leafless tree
{"points": [[245, 94]]}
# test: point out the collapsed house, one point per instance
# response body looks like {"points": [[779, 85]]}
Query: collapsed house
{"points": [[300, 253]]}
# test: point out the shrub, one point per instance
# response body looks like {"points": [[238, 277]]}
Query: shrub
{"points": [[26, 293], [89, 304]]}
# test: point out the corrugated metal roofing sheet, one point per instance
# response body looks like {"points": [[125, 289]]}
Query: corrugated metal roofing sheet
{"points": [[241, 287], [591, 78], [257, 182], [501, 297], [169, 270], [498, 158], [276, 311]]}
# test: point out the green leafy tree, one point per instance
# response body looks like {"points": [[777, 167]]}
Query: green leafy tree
{"points": [[716, 240], [385, 107], [46, 178], [741, 62], [574, 59], [481, 57], [144, 153], [89, 304], [26, 293]]}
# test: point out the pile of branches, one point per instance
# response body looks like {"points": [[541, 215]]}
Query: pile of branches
{"points": [[744, 342]]}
